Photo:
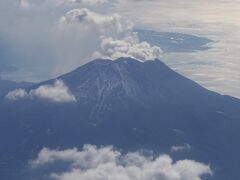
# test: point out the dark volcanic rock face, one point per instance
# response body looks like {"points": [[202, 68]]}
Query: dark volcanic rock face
{"points": [[130, 104]]}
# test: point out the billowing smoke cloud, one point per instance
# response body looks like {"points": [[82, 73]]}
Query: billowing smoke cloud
{"points": [[51, 37], [128, 47], [58, 93], [114, 33], [107, 163]]}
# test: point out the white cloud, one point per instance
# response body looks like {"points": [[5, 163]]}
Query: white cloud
{"points": [[58, 92], [128, 47], [107, 163], [185, 147], [16, 94]]}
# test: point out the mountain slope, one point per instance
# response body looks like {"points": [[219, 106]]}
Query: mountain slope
{"points": [[130, 104]]}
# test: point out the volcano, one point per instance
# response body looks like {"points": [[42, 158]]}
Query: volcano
{"points": [[129, 104]]}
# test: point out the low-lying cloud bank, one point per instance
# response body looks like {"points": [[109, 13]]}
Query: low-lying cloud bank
{"points": [[58, 92], [92, 163]]}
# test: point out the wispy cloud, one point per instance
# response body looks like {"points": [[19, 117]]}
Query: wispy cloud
{"points": [[181, 148]]}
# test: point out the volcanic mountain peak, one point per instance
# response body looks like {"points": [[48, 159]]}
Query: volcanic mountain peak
{"points": [[129, 104]]}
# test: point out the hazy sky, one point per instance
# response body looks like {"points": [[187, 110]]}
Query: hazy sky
{"points": [[32, 41]]}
